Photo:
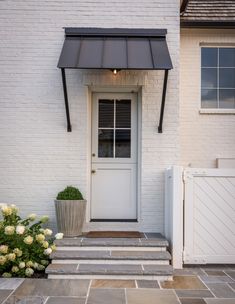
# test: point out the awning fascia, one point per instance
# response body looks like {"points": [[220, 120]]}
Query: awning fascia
{"points": [[154, 56]]}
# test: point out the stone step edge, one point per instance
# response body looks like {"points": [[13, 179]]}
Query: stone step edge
{"points": [[75, 270], [112, 242], [108, 255], [113, 262], [109, 248], [112, 277]]}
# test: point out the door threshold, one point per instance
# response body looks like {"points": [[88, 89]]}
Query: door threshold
{"points": [[115, 220]]}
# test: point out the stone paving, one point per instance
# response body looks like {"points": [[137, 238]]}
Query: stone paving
{"points": [[192, 285]]}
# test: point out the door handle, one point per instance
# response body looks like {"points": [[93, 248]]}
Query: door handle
{"points": [[93, 171]]}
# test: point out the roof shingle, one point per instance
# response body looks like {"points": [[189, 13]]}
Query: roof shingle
{"points": [[209, 11]]}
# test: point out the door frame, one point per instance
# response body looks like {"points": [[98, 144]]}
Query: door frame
{"points": [[114, 89]]}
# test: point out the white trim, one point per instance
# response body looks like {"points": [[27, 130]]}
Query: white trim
{"points": [[89, 130], [215, 110], [114, 89], [174, 213], [139, 154], [219, 111], [217, 44]]}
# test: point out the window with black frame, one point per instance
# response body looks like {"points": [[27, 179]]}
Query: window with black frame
{"points": [[218, 77]]}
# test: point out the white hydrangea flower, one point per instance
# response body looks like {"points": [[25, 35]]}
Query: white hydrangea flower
{"points": [[9, 230], [48, 251], [44, 262], [45, 244], [28, 240], [6, 210], [14, 269], [59, 236], [18, 252], [6, 275], [3, 259], [29, 264], [48, 232], [40, 237], [22, 265], [44, 219], [11, 257], [32, 217], [40, 267], [14, 208], [29, 272], [3, 249], [20, 229], [53, 247]]}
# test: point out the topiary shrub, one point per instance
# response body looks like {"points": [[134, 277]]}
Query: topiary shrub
{"points": [[70, 193]]}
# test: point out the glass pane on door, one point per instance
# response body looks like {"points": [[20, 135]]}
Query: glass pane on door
{"points": [[114, 128], [123, 143], [105, 143], [106, 113], [123, 113]]}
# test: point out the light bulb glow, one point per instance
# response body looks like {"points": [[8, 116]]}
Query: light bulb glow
{"points": [[115, 71]]}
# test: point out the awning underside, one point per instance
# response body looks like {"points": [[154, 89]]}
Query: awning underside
{"points": [[102, 51]]}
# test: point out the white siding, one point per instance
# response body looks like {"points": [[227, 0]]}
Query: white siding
{"points": [[204, 137], [38, 157]]}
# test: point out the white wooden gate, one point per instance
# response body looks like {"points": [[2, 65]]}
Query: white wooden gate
{"points": [[209, 216]]}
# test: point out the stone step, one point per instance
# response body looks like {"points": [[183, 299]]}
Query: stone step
{"points": [[122, 271], [113, 242], [111, 255]]}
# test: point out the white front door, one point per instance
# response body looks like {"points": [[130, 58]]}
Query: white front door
{"points": [[114, 156]]}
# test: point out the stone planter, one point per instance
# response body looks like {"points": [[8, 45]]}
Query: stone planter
{"points": [[70, 216]]}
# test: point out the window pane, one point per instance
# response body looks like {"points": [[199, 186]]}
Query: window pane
{"points": [[226, 78], [105, 143], [209, 78], [106, 113], [123, 114], [227, 99], [209, 57], [209, 98], [227, 57], [123, 143]]}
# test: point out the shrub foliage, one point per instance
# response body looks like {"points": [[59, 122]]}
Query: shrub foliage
{"points": [[70, 193], [25, 246]]}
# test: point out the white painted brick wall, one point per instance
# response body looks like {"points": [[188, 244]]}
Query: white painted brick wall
{"points": [[203, 137], [38, 157]]}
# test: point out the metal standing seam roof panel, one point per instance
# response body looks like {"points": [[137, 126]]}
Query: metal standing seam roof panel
{"points": [[110, 49]]}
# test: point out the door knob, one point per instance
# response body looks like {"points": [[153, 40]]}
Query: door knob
{"points": [[93, 171]]}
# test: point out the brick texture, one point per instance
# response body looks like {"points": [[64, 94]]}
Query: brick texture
{"points": [[38, 157]]}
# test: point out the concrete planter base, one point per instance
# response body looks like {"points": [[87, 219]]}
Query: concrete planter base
{"points": [[70, 216]]}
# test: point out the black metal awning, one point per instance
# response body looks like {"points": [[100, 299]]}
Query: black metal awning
{"points": [[115, 49]]}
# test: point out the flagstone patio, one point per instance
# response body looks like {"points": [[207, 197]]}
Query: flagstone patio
{"points": [[192, 285]]}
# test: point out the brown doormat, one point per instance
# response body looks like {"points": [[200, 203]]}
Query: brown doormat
{"points": [[114, 234]]}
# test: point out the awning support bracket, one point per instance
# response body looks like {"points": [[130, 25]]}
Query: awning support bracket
{"points": [[163, 102], [69, 127]]}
